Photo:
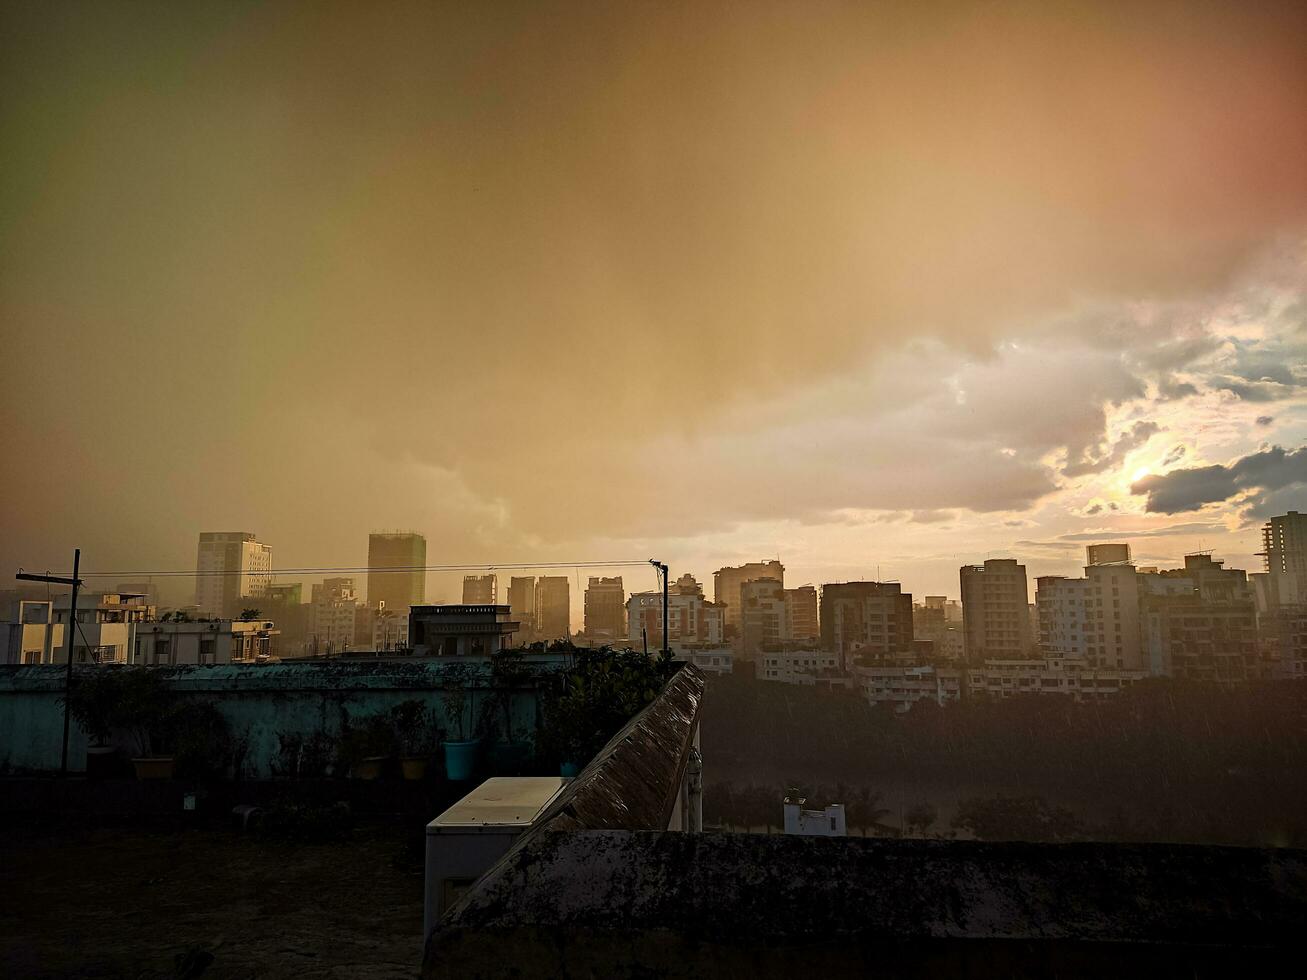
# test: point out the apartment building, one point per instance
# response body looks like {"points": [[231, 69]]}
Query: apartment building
{"points": [[867, 621], [1284, 554], [801, 612], [202, 643], [902, 687], [1070, 677], [808, 668], [553, 609], [29, 633], [232, 572], [333, 615], [605, 608], [764, 617], [522, 602], [692, 621], [480, 590], [996, 610], [106, 625], [727, 582], [406, 553]]}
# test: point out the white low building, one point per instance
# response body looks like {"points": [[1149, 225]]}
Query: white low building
{"points": [[106, 625], [828, 822], [903, 687], [1007, 678], [711, 660], [221, 641], [804, 667], [29, 634]]}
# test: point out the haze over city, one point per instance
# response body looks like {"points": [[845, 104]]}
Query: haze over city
{"points": [[875, 290]]}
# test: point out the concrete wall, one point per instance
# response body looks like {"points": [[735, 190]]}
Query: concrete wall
{"points": [[262, 703]]}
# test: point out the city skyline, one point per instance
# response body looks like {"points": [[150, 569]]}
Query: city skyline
{"points": [[876, 309]]}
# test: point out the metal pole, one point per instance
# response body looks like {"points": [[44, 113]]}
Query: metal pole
{"points": [[667, 649], [68, 676]]}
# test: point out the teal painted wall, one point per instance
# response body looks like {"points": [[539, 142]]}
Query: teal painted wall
{"points": [[262, 703]]}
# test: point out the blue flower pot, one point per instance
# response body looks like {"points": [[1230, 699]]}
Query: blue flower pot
{"points": [[568, 769], [460, 759]]}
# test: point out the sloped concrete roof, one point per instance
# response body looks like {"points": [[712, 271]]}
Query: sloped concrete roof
{"points": [[589, 903]]}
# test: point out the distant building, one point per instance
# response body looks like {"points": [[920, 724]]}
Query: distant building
{"points": [[938, 619], [828, 822], [232, 571], [692, 621], [764, 617], [480, 590], [106, 625], [1284, 553], [1070, 677], [522, 602], [605, 608], [29, 633], [801, 612], [807, 668], [406, 552], [333, 617], [727, 582], [1285, 633], [284, 604], [460, 631], [902, 687], [711, 660], [1200, 622], [1063, 610], [996, 610], [201, 643], [553, 617], [389, 631], [869, 620]]}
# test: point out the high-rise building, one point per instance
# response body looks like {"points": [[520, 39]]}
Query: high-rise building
{"points": [[727, 582], [553, 607], [605, 608], [406, 552], [480, 590], [996, 611], [522, 606], [1284, 552], [232, 568], [333, 616], [801, 611], [764, 617], [866, 619]]}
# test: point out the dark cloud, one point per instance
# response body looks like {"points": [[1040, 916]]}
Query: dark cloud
{"points": [[1174, 454], [1194, 527], [1257, 474], [1265, 420], [1134, 437]]}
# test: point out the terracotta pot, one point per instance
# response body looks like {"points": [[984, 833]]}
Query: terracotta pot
{"points": [[415, 767], [156, 768], [369, 768], [101, 761]]}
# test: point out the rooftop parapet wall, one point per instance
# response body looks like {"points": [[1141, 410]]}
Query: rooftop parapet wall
{"points": [[262, 703], [622, 904]]}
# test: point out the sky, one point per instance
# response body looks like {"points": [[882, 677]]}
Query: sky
{"points": [[880, 289]]}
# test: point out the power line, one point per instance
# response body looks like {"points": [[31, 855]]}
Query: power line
{"points": [[360, 569]]}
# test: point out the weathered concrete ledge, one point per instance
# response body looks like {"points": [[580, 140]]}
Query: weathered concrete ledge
{"points": [[623, 904], [634, 783]]}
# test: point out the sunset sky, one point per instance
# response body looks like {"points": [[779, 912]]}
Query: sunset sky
{"points": [[879, 289]]}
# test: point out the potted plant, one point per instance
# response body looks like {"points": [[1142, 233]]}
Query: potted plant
{"points": [[146, 709], [418, 736], [369, 745], [509, 673], [456, 696], [92, 702]]}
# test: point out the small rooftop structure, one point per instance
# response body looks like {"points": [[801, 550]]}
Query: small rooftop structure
{"points": [[476, 832], [462, 630]]}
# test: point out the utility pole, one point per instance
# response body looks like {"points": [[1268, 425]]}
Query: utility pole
{"points": [[76, 583], [662, 569]]}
